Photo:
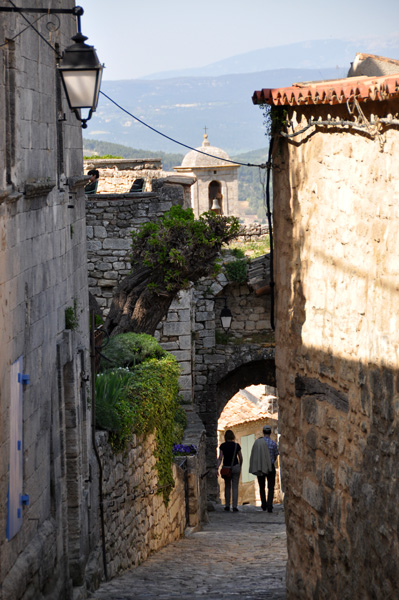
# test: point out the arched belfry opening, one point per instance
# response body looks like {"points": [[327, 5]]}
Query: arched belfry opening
{"points": [[215, 196]]}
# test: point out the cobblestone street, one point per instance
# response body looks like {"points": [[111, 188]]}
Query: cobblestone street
{"points": [[236, 555]]}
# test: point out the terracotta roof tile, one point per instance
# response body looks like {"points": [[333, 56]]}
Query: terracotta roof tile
{"points": [[334, 91], [240, 410]]}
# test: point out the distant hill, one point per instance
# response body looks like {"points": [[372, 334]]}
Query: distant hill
{"points": [[100, 148], [181, 108], [316, 54]]}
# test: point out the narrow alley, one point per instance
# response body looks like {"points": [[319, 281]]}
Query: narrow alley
{"points": [[236, 555]]}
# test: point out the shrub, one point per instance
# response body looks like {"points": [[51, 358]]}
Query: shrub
{"points": [[141, 401], [237, 271], [129, 350]]}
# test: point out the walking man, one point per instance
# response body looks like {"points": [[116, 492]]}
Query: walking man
{"points": [[262, 464]]}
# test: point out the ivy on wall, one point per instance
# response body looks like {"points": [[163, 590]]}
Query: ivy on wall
{"points": [[141, 398]]}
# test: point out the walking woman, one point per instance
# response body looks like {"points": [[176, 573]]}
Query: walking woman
{"points": [[231, 457]]}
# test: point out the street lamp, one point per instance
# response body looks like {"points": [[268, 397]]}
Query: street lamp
{"points": [[81, 73], [226, 317], [79, 67]]}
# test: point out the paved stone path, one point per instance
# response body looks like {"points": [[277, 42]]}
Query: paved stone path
{"points": [[236, 556]]}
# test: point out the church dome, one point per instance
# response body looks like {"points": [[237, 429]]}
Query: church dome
{"points": [[195, 159]]}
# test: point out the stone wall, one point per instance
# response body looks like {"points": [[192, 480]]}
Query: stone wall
{"points": [[110, 219], [251, 233], [336, 223], [43, 273], [117, 175], [136, 520]]}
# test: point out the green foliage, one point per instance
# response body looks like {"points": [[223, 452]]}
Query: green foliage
{"points": [[178, 248], [237, 252], [237, 270], [113, 410], [141, 399], [129, 350], [252, 249], [275, 118], [71, 316]]}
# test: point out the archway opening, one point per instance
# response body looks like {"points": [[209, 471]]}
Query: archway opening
{"points": [[246, 413]]}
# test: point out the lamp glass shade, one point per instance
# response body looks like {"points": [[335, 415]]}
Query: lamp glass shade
{"points": [[81, 87], [81, 73], [226, 318]]}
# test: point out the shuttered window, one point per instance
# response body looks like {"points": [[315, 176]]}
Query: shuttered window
{"points": [[15, 474]]}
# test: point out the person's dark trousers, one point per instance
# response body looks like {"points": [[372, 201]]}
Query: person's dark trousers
{"points": [[271, 480], [262, 484]]}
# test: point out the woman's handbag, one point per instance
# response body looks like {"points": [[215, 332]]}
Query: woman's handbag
{"points": [[227, 472]]}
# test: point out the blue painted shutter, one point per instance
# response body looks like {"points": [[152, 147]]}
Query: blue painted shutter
{"points": [[15, 475]]}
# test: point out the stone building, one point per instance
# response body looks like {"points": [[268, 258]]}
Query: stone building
{"points": [[336, 178], [45, 531], [216, 178]]}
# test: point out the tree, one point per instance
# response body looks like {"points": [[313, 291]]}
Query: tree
{"points": [[167, 256]]}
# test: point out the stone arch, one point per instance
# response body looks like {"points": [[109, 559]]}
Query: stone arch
{"points": [[256, 372], [246, 365]]}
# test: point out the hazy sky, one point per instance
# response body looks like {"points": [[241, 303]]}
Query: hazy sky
{"points": [[135, 39]]}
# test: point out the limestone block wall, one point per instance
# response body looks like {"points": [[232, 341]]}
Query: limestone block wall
{"points": [[43, 272], [137, 521], [174, 333], [337, 340], [110, 219], [251, 313]]}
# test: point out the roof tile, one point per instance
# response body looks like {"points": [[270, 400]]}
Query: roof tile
{"points": [[335, 91]]}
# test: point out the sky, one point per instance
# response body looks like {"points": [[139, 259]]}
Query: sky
{"points": [[135, 39]]}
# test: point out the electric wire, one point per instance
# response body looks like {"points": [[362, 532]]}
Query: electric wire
{"points": [[234, 162]]}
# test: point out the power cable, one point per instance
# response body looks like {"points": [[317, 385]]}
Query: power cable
{"points": [[234, 162]]}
